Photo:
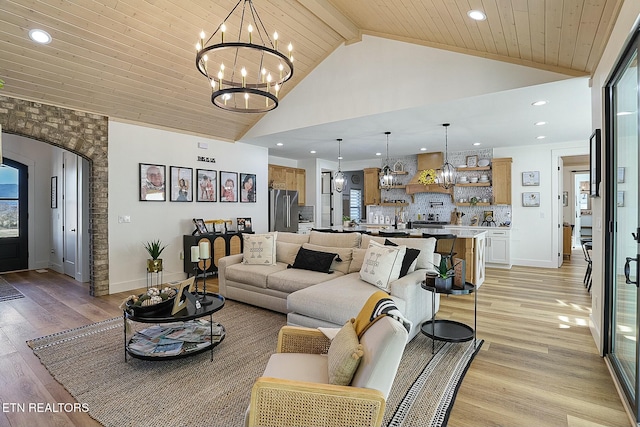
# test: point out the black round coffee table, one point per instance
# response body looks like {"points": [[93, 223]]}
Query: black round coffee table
{"points": [[450, 330]]}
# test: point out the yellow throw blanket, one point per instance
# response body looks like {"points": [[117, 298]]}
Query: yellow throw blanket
{"points": [[379, 304]]}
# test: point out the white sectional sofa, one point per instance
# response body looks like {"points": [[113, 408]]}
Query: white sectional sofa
{"points": [[311, 298]]}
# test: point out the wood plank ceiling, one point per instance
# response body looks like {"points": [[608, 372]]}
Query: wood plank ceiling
{"points": [[134, 60]]}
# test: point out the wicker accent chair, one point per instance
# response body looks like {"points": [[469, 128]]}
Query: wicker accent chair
{"points": [[295, 391]]}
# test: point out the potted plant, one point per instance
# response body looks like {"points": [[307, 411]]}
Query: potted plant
{"points": [[346, 221], [442, 279], [154, 248]]}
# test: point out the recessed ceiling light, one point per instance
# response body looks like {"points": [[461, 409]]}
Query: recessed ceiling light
{"points": [[339, 157], [279, 144], [313, 151], [540, 137], [423, 149], [476, 143], [624, 113], [538, 103], [378, 154], [540, 123], [40, 36], [477, 15]]}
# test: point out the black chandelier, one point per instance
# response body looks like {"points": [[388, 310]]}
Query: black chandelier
{"points": [[245, 77]]}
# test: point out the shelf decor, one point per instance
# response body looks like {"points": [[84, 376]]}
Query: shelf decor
{"points": [[427, 177]]}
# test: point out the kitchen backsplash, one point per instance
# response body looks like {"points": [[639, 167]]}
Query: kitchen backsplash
{"points": [[441, 205], [305, 213]]}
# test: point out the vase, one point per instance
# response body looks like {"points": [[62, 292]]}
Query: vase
{"points": [[443, 284], [154, 265]]}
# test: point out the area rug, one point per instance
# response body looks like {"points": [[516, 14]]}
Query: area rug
{"points": [[89, 363], [8, 292]]}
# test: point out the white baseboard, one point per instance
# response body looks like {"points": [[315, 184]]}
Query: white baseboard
{"points": [[114, 288]]}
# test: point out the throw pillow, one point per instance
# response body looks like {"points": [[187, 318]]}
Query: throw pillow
{"points": [[357, 260], [341, 262], [314, 260], [382, 264], [259, 249], [409, 257], [344, 355], [286, 252]]}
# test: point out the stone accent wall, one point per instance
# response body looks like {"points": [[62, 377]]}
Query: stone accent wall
{"points": [[84, 134]]}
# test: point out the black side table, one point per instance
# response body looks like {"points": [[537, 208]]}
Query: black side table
{"points": [[450, 330]]}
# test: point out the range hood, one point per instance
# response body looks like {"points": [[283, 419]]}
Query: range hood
{"points": [[427, 161]]}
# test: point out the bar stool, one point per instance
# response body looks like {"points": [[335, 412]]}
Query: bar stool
{"points": [[382, 233], [445, 245], [587, 245]]}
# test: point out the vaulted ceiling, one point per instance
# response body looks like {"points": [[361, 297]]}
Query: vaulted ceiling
{"points": [[135, 59]]}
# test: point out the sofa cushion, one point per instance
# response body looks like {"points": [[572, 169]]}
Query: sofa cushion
{"points": [[286, 252], [344, 355], [308, 259], [254, 275], [410, 258], [298, 367], [293, 279], [343, 240], [259, 249], [284, 236], [357, 260], [382, 265], [340, 263], [426, 246], [320, 301]]}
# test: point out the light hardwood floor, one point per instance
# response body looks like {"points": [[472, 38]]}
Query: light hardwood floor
{"points": [[537, 367]]}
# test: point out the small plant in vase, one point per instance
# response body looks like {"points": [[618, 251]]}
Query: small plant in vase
{"points": [[442, 278], [154, 248], [346, 221]]}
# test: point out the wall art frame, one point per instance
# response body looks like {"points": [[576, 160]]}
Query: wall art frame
{"points": [[181, 189], [531, 178], [530, 199], [206, 185], [247, 188], [228, 186], [54, 192], [152, 182]]}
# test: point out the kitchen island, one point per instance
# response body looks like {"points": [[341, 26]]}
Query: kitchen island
{"points": [[470, 244]]}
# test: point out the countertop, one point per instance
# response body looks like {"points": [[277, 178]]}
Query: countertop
{"points": [[459, 231]]}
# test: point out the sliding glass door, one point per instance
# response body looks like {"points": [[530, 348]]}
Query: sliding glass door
{"points": [[622, 214]]}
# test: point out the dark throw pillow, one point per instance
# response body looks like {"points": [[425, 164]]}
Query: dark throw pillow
{"points": [[409, 256], [306, 259]]}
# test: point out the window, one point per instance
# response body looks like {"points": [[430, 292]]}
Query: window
{"points": [[9, 201], [355, 205]]}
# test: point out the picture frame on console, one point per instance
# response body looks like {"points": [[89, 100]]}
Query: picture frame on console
{"points": [[244, 225], [180, 303], [207, 184], [181, 184], [201, 227]]}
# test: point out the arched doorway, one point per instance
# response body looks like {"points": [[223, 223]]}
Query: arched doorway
{"points": [[14, 243], [82, 133]]}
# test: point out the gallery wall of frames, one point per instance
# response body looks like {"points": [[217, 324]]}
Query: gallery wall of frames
{"points": [[159, 183]]}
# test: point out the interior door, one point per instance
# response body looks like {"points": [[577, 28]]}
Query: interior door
{"points": [[622, 213], [14, 243], [560, 211], [70, 213]]}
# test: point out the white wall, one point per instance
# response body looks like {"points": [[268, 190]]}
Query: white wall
{"points": [[378, 75], [168, 221], [37, 156], [624, 25]]}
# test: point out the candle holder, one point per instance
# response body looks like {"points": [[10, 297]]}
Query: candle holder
{"points": [[204, 298]]}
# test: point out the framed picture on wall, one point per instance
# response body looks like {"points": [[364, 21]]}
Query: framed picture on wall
{"points": [[152, 182], [54, 192], [247, 188], [228, 187], [207, 184], [594, 163], [530, 199], [531, 178], [181, 184]]}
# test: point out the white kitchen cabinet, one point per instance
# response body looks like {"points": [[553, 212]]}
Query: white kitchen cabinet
{"points": [[498, 248]]}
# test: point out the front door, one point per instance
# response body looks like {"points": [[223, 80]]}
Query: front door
{"points": [[623, 220], [14, 249]]}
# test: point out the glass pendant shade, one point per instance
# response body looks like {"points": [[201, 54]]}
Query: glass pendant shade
{"points": [[386, 179], [338, 178], [447, 173]]}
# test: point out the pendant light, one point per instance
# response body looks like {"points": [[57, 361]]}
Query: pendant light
{"points": [[446, 174], [386, 181], [338, 179]]}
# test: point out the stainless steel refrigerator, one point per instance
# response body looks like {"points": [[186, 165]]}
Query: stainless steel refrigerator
{"points": [[283, 210]]}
